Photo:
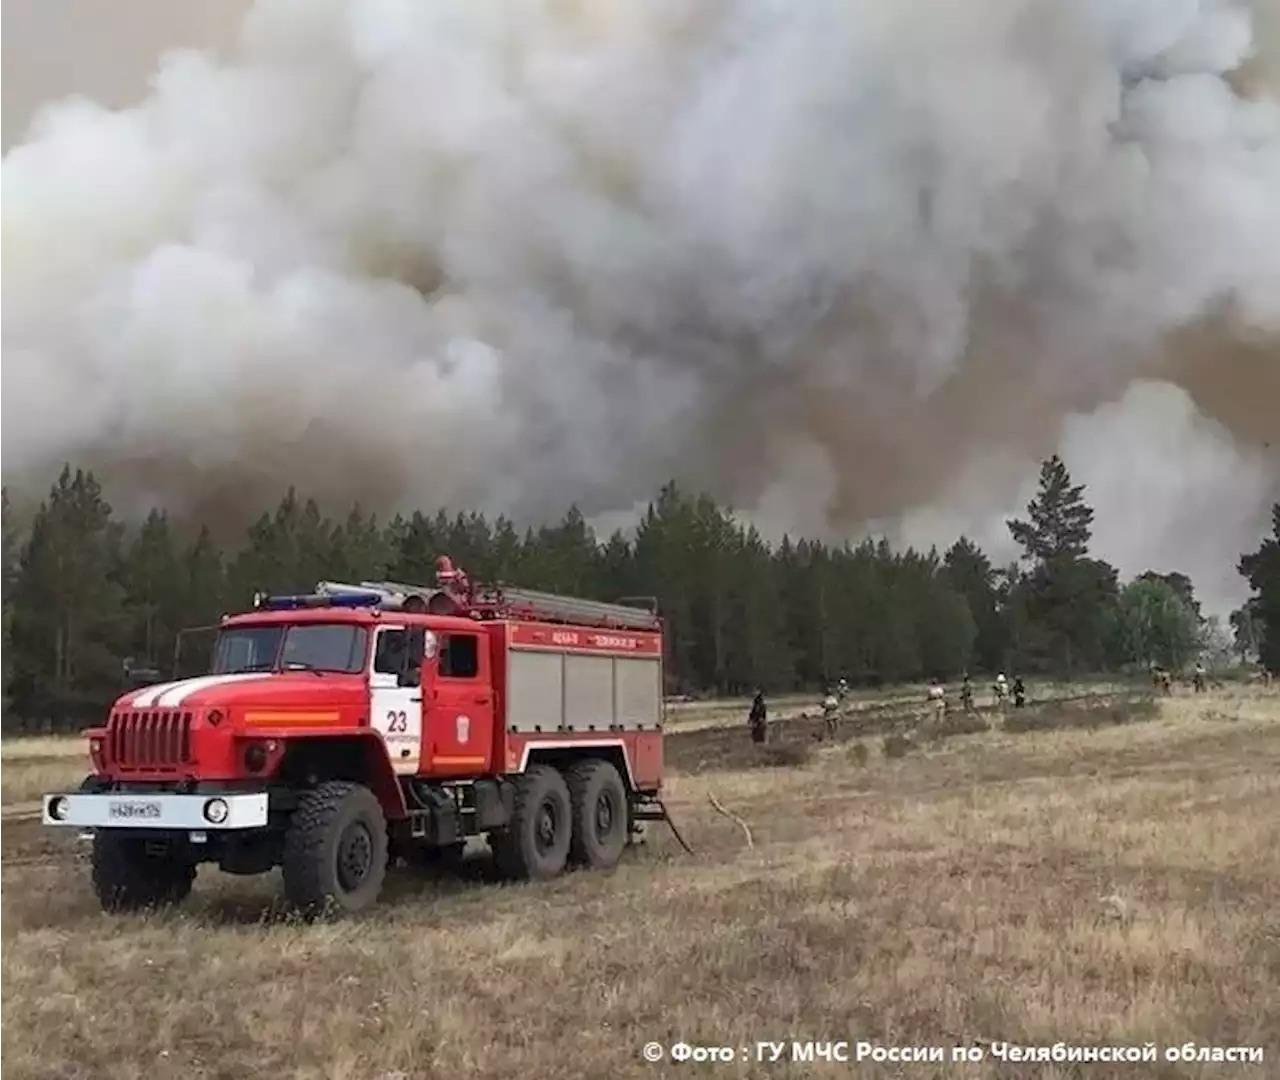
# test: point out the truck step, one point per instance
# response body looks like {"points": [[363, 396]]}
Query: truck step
{"points": [[648, 813]]}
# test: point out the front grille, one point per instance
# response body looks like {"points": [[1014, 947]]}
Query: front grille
{"points": [[151, 740]]}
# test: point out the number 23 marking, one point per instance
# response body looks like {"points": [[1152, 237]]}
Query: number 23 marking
{"points": [[397, 721]]}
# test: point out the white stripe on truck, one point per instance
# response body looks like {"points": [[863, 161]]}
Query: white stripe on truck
{"points": [[171, 694], [573, 744]]}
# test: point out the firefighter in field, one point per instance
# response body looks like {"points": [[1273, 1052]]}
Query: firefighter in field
{"points": [[938, 699], [1019, 692], [1001, 689], [830, 713], [1161, 681], [1198, 680], [966, 694], [759, 717]]}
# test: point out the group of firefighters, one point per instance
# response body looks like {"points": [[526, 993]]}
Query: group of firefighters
{"points": [[1003, 689], [1162, 681], [758, 718]]}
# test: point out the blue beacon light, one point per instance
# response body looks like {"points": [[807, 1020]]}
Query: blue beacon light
{"points": [[312, 600]]}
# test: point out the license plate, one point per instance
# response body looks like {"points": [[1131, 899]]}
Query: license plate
{"points": [[133, 810]]}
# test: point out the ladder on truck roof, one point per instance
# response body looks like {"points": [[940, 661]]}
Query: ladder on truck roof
{"points": [[551, 607], [497, 602]]}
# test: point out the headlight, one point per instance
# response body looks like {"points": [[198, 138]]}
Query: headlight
{"points": [[59, 808], [216, 811]]}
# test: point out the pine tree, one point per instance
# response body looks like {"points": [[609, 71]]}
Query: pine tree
{"points": [[899, 655], [1060, 523], [758, 650], [970, 573], [567, 556], [288, 551], [205, 598], [415, 543], [69, 627], [152, 579], [1066, 602], [361, 549], [506, 551], [711, 553], [1262, 569], [663, 541]]}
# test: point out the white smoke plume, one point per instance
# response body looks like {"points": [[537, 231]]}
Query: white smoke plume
{"points": [[842, 263]]}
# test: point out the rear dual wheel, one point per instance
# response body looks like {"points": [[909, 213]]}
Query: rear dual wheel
{"points": [[599, 815], [535, 846], [559, 821]]}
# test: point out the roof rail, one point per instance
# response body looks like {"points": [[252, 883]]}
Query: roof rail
{"points": [[455, 594]]}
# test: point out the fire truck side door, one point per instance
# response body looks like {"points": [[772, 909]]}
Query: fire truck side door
{"points": [[395, 709], [460, 710]]}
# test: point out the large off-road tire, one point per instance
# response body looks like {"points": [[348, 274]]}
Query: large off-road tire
{"points": [[599, 800], [535, 846], [127, 877], [335, 849]]}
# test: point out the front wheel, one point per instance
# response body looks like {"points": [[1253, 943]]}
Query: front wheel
{"points": [[131, 873], [335, 849]]}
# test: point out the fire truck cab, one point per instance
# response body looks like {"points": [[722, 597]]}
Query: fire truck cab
{"points": [[341, 730]]}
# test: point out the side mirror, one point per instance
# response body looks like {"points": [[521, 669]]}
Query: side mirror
{"points": [[141, 676]]}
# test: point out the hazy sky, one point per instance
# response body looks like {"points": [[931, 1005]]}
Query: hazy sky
{"points": [[108, 50]]}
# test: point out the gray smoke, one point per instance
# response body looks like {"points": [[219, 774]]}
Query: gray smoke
{"points": [[850, 265]]}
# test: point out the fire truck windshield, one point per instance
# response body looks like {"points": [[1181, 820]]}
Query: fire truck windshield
{"points": [[338, 647]]}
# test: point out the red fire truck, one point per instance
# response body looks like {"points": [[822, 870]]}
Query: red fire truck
{"points": [[340, 730]]}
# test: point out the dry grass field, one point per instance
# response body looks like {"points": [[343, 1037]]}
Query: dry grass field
{"points": [[1107, 880]]}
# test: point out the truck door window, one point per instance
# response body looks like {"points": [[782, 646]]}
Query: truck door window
{"points": [[389, 657], [460, 656]]}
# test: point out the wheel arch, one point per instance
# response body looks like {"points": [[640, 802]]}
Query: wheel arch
{"points": [[358, 757], [564, 756]]}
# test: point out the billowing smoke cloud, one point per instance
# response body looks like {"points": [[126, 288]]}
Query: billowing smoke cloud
{"points": [[1171, 490], [845, 263]]}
